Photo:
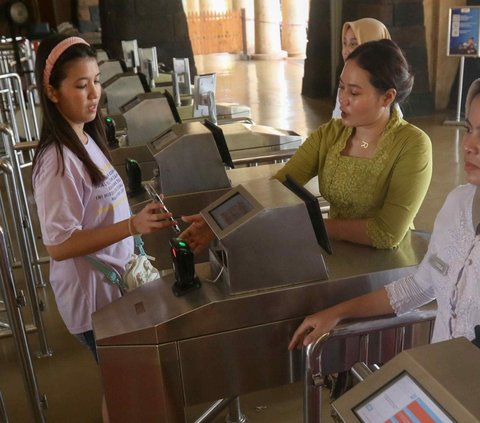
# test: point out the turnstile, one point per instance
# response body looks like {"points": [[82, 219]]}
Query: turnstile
{"points": [[159, 353]]}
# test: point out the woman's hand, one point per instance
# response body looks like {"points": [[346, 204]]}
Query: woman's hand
{"points": [[150, 219], [375, 303], [198, 235], [313, 327]]}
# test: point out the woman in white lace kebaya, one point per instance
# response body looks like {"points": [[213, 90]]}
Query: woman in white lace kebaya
{"points": [[450, 270]]}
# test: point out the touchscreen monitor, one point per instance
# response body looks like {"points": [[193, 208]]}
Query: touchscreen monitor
{"points": [[231, 210], [401, 400]]}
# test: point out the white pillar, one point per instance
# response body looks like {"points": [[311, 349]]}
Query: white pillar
{"points": [[267, 31], [213, 6], [191, 6], [249, 35], [294, 26]]}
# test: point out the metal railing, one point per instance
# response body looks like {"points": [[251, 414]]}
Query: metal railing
{"points": [[18, 49], [313, 373], [22, 223], [13, 151], [279, 156], [235, 415], [12, 96], [14, 301]]}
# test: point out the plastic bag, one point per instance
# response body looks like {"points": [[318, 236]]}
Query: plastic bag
{"points": [[139, 270]]}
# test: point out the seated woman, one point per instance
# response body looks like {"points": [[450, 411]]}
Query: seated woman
{"points": [[450, 270], [356, 33], [373, 167]]}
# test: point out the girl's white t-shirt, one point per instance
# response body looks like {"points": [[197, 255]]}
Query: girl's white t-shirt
{"points": [[69, 202]]}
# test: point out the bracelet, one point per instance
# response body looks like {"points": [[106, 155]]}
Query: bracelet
{"points": [[130, 225]]}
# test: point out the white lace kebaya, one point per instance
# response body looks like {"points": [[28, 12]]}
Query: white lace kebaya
{"points": [[450, 270]]}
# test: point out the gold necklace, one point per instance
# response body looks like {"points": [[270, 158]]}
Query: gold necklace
{"points": [[363, 143]]}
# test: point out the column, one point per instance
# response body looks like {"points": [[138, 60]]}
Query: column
{"points": [[211, 6], [191, 6], [267, 31], [294, 26], [249, 33]]}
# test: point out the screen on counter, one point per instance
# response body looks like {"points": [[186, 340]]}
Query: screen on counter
{"points": [[231, 210], [314, 211], [401, 400]]}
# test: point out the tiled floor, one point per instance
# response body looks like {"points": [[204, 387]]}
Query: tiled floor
{"points": [[70, 379]]}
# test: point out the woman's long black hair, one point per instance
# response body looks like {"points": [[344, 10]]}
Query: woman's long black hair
{"points": [[55, 129]]}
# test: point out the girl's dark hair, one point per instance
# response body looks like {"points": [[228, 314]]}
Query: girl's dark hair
{"points": [[387, 66], [55, 129]]}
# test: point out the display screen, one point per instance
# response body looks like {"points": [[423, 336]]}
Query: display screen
{"points": [[402, 400], [231, 210]]}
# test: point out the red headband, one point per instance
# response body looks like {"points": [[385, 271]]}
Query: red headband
{"points": [[56, 53]]}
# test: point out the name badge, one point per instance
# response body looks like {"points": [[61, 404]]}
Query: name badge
{"points": [[438, 264]]}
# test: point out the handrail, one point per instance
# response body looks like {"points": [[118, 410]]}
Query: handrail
{"points": [[21, 196], [211, 412], [6, 332], [26, 145], [25, 251], [313, 374], [31, 98], [14, 302], [23, 109]]}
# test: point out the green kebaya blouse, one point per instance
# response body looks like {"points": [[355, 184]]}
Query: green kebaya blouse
{"points": [[386, 189]]}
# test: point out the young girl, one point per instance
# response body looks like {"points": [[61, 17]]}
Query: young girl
{"points": [[450, 270], [81, 200]]}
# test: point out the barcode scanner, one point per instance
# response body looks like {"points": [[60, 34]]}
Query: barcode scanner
{"points": [[184, 267], [134, 177], [110, 129]]}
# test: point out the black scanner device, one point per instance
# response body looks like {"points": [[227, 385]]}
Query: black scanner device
{"points": [[110, 129], [184, 267], [182, 256], [134, 177]]}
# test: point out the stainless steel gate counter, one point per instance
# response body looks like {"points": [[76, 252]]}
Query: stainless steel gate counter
{"points": [[160, 353]]}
